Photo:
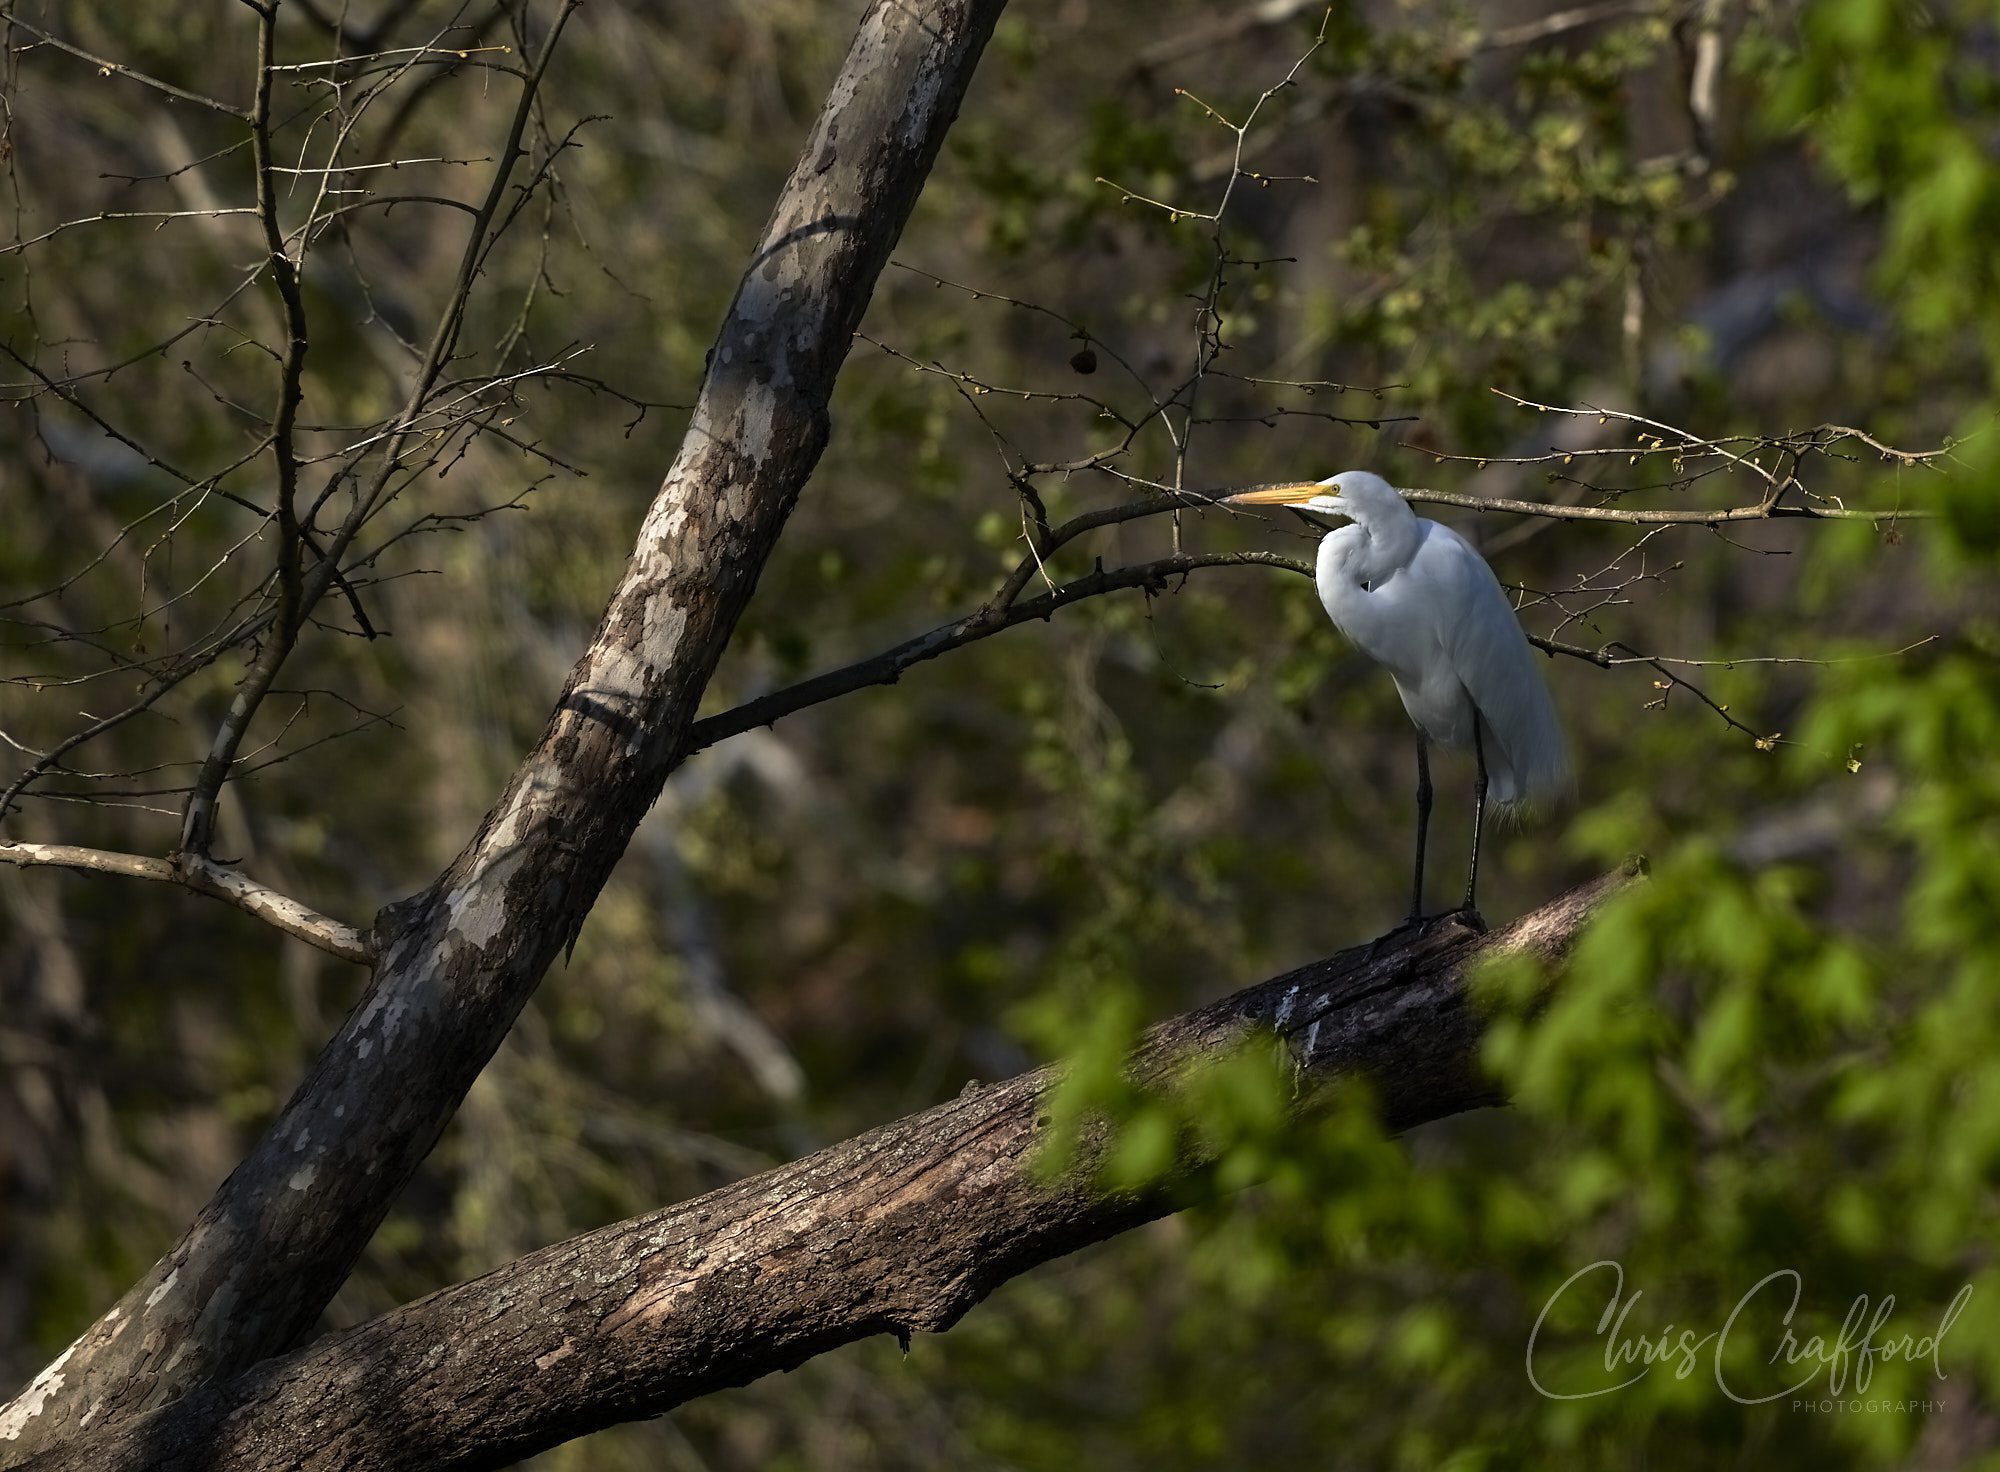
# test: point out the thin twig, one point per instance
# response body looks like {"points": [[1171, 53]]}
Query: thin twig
{"points": [[107, 67]]}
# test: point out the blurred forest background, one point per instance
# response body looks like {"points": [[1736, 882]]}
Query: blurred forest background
{"points": [[1744, 219]]}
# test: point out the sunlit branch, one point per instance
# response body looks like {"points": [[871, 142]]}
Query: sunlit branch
{"points": [[203, 876], [1658, 516]]}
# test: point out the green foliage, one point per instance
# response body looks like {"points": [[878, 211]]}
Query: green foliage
{"points": [[1898, 98]]}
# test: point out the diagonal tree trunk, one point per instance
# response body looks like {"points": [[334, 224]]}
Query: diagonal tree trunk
{"points": [[458, 962], [897, 1230]]}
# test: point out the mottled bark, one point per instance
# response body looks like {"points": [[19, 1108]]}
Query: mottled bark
{"points": [[458, 961], [901, 1229]]}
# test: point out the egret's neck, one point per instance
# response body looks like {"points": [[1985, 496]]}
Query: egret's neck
{"points": [[1367, 551]]}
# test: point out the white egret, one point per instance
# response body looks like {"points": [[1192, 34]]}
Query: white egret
{"points": [[1416, 598]]}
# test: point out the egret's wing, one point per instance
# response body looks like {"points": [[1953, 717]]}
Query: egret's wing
{"points": [[1482, 640]]}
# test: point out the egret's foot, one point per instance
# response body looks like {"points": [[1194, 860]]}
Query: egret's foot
{"points": [[1464, 916], [1419, 925], [1467, 915], [1390, 939]]}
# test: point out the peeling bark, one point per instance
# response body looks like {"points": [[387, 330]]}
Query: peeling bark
{"points": [[459, 961], [898, 1230]]}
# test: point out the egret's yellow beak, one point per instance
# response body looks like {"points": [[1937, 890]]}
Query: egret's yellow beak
{"points": [[1284, 493]]}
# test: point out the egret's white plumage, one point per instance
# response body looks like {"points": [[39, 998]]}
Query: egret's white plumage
{"points": [[1417, 599]]}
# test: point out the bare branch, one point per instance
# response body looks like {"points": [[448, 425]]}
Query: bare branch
{"points": [[301, 597], [1264, 15], [198, 825], [1704, 75], [887, 667], [203, 876], [1562, 21], [159, 217], [107, 67], [1660, 516], [1766, 510]]}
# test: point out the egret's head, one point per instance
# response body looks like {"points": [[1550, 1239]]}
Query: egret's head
{"points": [[1353, 493]]}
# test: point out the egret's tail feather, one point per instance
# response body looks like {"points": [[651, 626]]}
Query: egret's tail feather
{"points": [[1532, 773], [1532, 768]]}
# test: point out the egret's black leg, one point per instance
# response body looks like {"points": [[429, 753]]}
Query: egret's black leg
{"points": [[1423, 824], [1478, 811]]}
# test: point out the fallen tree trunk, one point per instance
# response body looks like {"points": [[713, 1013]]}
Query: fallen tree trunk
{"points": [[898, 1230]]}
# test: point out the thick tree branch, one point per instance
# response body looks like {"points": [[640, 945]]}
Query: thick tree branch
{"points": [[459, 961], [901, 1229], [203, 876]]}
